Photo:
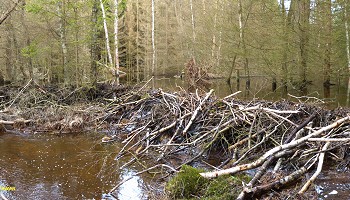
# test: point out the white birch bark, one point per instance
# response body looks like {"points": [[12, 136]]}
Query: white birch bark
{"points": [[193, 25], [110, 59], [116, 41], [214, 37], [153, 42]]}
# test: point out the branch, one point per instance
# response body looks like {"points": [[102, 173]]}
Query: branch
{"points": [[196, 112], [318, 171], [271, 152], [8, 12]]}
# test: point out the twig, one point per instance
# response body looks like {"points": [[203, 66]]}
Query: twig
{"points": [[196, 112], [318, 171], [3, 196], [19, 93]]}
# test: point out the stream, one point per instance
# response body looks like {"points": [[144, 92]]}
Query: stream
{"points": [[78, 166], [63, 167]]}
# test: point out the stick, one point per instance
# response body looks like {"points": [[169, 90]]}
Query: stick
{"points": [[302, 125], [20, 92], [3, 196], [196, 112], [276, 149], [329, 139], [318, 171], [276, 184]]}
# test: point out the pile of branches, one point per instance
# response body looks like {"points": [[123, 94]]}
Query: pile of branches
{"points": [[55, 109], [282, 136], [287, 138]]}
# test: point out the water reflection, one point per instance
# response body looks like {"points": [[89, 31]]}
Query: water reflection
{"points": [[130, 189], [69, 167], [260, 88]]}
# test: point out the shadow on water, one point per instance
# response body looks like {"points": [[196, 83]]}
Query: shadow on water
{"points": [[69, 167]]}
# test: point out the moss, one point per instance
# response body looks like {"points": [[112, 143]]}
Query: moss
{"points": [[225, 187], [187, 183]]}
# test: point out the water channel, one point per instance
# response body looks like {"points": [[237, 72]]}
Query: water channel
{"points": [[63, 167], [80, 167]]}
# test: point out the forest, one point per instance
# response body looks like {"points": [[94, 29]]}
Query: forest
{"points": [[78, 114], [86, 41]]}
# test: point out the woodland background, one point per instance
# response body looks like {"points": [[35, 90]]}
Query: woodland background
{"points": [[63, 41]]}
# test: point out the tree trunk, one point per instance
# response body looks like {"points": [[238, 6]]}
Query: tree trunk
{"points": [[76, 35], [63, 38], [116, 40], [242, 39], [304, 17], [110, 59], [137, 42], [8, 53], [153, 42], [328, 43], [94, 43], [287, 23], [346, 23], [193, 29]]}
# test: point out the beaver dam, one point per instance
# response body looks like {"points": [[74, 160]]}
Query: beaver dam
{"points": [[262, 149]]}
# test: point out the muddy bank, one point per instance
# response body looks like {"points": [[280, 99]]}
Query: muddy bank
{"points": [[282, 142]]}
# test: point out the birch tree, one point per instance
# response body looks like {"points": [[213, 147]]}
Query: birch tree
{"points": [[110, 59], [153, 41], [116, 46]]}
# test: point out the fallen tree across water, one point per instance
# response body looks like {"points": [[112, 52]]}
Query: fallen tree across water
{"points": [[281, 140]]}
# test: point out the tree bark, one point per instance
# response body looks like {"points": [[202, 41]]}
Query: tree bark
{"points": [[110, 59], [346, 23], [94, 43], [193, 29], [153, 42], [328, 43], [304, 17], [62, 30], [116, 40]]}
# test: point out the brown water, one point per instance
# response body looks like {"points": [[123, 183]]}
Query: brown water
{"points": [[68, 167]]}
